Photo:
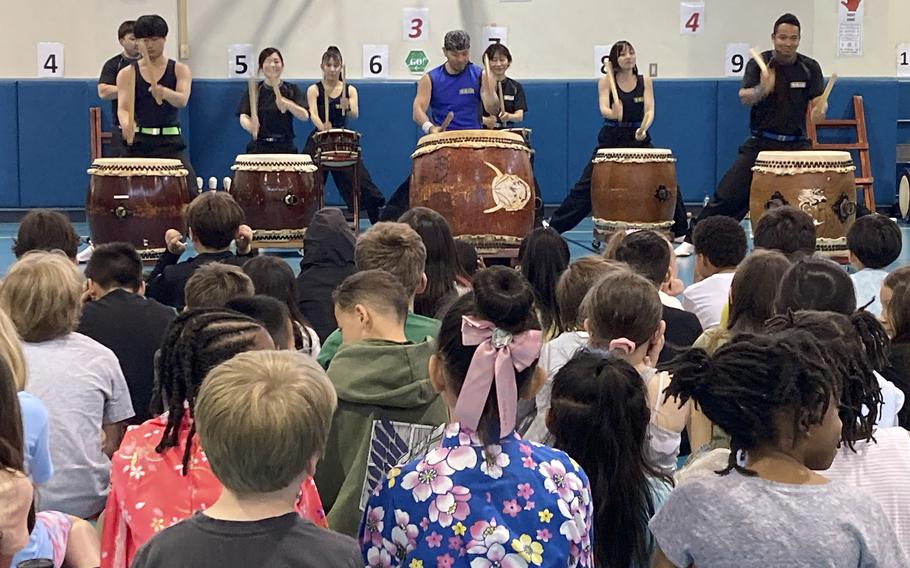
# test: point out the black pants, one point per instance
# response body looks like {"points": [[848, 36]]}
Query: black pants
{"points": [[731, 198], [173, 147], [117, 147], [371, 198], [577, 205]]}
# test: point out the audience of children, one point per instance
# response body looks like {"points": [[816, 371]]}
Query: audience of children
{"points": [[777, 397], [328, 258], [484, 496], [160, 474], [263, 419], [214, 221], [720, 245], [273, 277], [118, 316], [426, 437], [445, 276], [383, 390], [874, 242]]}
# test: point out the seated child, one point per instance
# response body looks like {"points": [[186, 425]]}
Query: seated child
{"points": [[787, 230], [874, 242], [215, 284], [720, 245]]}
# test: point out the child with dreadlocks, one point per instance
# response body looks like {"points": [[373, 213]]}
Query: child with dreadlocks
{"points": [[484, 496], [874, 460], [777, 396], [160, 463]]}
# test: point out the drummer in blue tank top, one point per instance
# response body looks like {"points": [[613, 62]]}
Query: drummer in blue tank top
{"points": [[456, 93]]}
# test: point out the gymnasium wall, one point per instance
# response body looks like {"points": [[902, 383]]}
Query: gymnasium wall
{"points": [[44, 132], [550, 39]]}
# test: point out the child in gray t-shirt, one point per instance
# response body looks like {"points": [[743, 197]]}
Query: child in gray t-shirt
{"points": [[777, 397]]}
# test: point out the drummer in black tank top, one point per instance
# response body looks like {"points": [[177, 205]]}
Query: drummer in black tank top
{"points": [[343, 103], [272, 130], [162, 87], [626, 124]]}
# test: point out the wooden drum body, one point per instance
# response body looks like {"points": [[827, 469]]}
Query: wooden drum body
{"points": [[136, 200], [279, 194], [480, 181], [819, 183], [337, 147]]}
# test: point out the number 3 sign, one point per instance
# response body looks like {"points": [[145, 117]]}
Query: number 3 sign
{"points": [[691, 17], [416, 24]]}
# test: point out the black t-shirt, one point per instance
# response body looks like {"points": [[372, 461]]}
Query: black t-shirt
{"points": [[784, 110], [132, 327], [279, 542], [109, 77], [513, 97], [683, 328], [150, 114], [272, 122], [633, 102], [336, 116]]}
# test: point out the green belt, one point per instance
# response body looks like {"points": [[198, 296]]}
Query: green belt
{"points": [[166, 131]]}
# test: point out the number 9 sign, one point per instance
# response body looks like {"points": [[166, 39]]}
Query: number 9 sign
{"points": [[735, 59], [416, 24]]}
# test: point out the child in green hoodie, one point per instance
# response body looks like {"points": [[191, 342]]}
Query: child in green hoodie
{"points": [[386, 404]]}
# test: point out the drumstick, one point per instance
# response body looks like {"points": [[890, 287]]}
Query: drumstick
{"points": [[759, 60], [131, 104], [828, 87], [502, 99], [277, 90], [325, 102], [254, 99], [344, 91], [611, 80], [447, 121]]}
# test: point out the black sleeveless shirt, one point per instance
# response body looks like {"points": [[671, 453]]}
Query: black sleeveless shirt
{"points": [[150, 114], [335, 115], [633, 103]]}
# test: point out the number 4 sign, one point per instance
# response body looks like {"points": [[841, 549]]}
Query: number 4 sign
{"points": [[50, 59], [691, 17]]}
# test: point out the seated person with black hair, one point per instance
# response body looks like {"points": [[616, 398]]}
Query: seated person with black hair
{"points": [[216, 284], [118, 316], [43, 229], [213, 221], [720, 245], [271, 313], [647, 254], [380, 377], [874, 241], [787, 230]]}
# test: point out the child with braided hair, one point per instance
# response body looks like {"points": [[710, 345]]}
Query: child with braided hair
{"points": [[777, 397], [874, 460], [160, 463]]}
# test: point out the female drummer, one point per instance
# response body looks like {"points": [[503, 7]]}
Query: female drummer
{"points": [[513, 94], [627, 119], [343, 102], [272, 126]]}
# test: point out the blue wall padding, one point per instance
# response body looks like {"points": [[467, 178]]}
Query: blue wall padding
{"points": [[44, 139], [9, 145]]}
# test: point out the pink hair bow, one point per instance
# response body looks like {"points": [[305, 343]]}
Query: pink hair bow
{"points": [[498, 355]]}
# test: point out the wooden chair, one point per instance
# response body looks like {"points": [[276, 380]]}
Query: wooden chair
{"points": [[97, 136]]}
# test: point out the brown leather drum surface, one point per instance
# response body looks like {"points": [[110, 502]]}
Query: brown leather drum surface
{"points": [[337, 147], [276, 200], [457, 182], [825, 196], [136, 209], [634, 192]]}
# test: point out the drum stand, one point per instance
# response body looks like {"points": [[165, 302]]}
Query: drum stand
{"points": [[355, 191]]}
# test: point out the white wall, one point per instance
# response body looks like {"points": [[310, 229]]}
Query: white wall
{"points": [[549, 38]]}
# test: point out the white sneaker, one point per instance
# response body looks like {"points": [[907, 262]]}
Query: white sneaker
{"points": [[85, 254], [685, 249]]}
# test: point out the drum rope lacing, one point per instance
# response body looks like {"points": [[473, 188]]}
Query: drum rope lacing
{"points": [[784, 167], [633, 158], [124, 170], [278, 235], [607, 225], [476, 142]]}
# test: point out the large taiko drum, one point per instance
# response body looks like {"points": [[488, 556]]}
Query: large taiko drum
{"points": [[480, 181], [632, 188], [279, 194], [337, 147], [819, 183], [136, 200]]}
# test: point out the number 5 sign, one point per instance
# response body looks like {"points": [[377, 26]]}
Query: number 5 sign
{"points": [[416, 24], [241, 62], [691, 17]]}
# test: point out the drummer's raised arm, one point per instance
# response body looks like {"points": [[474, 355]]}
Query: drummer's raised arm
{"points": [[422, 101], [312, 94], [648, 119], [125, 80], [353, 110], [488, 95], [179, 96], [603, 100]]}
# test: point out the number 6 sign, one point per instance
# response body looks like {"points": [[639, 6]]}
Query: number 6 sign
{"points": [[691, 17], [416, 24]]}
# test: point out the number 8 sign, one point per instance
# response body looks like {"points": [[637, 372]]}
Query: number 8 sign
{"points": [[416, 24], [691, 17]]}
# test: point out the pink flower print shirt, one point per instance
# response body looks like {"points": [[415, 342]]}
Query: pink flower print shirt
{"points": [[515, 504]]}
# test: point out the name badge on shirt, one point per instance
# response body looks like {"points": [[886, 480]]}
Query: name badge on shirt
{"points": [[466, 91], [638, 100], [509, 97], [798, 85]]}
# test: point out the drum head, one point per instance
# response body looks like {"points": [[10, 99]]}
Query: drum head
{"points": [[125, 167], [634, 155], [456, 136], [274, 162], [903, 194]]}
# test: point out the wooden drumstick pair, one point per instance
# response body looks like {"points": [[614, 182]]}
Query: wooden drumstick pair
{"points": [[253, 89], [765, 71]]}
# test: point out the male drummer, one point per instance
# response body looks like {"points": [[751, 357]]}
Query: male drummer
{"points": [[107, 83], [162, 87], [455, 93], [779, 98]]}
